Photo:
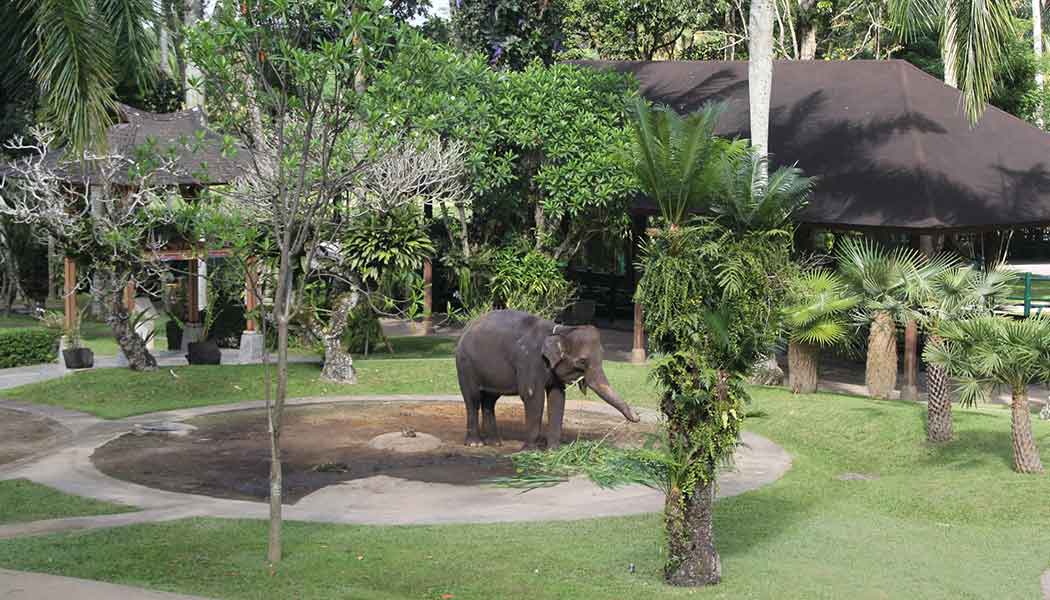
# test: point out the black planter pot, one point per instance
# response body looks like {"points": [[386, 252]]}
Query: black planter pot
{"points": [[79, 358], [203, 353], [174, 333]]}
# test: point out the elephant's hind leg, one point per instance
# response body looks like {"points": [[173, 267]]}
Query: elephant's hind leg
{"points": [[472, 400], [488, 413]]}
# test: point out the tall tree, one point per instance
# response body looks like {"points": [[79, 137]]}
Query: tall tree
{"points": [[760, 73], [76, 51], [711, 293], [294, 64], [974, 38]]}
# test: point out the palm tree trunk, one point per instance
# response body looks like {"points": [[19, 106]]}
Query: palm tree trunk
{"points": [[760, 72], [802, 367], [1037, 49], [938, 406], [1026, 454], [880, 375], [693, 559]]}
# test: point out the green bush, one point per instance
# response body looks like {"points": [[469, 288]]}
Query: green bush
{"points": [[530, 281], [22, 347]]}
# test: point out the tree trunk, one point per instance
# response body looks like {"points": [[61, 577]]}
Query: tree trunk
{"points": [[939, 403], [692, 557], [802, 367], [338, 363], [1037, 49], [938, 406], [808, 51], [130, 342], [760, 73], [880, 375], [1026, 455]]}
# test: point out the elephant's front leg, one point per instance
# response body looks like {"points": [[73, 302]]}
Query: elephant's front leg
{"points": [[534, 401], [555, 414]]}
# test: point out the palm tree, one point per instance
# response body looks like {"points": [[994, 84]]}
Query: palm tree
{"points": [[974, 37], [747, 198], [760, 71], [816, 319], [75, 51], [983, 352], [677, 157], [889, 283], [955, 294]]}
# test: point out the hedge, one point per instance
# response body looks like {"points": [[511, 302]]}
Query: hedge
{"points": [[21, 347]]}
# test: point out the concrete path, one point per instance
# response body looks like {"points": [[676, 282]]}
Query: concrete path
{"points": [[377, 500], [37, 586]]}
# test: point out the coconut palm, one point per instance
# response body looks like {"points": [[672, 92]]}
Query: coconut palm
{"points": [[974, 37], [816, 318], [75, 52], [987, 351], [952, 295], [889, 283]]}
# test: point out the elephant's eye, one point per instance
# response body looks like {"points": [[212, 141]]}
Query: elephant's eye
{"points": [[581, 363]]}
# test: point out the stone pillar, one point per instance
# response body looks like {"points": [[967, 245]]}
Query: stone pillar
{"points": [[910, 389], [252, 343]]}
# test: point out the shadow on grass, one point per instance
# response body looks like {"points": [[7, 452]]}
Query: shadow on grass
{"points": [[752, 519]]}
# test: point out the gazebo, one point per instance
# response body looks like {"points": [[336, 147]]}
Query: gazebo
{"points": [[201, 157], [890, 144]]}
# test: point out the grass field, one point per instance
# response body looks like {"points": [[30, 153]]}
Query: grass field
{"points": [[22, 501], [935, 522]]}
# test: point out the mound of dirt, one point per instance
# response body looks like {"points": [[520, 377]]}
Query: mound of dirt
{"points": [[23, 434], [228, 455]]}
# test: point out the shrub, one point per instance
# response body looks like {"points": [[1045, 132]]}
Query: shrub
{"points": [[29, 346], [530, 281]]}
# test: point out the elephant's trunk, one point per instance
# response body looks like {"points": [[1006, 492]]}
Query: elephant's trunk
{"points": [[601, 386]]}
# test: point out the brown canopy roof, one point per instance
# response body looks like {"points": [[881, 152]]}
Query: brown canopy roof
{"points": [[890, 143], [199, 151]]}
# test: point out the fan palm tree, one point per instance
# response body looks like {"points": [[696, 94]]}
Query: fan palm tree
{"points": [[817, 318], [974, 37], [889, 283], [986, 351], [75, 52], [676, 157], [955, 294]]}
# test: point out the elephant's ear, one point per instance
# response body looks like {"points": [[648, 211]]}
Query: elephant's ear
{"points": [[552, 350]]}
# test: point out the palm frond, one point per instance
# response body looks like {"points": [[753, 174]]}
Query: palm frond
{"points": [[72, 65], [134, 43]]}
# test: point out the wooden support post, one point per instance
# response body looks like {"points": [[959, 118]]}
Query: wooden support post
{"points": [[250, 299], [428, 276], [910, 389], [428, 297], [69, 295], [193, 312], [638, 348]]}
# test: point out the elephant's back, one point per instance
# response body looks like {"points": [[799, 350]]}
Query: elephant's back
{"points": [[495, 330]]}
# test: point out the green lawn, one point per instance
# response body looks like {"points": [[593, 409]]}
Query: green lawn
{"points": [[117, 393], [22, 501], [97, 335], [939, 522]]}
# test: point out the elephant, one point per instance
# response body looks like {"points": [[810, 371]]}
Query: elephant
{"points": [[508, 352]]}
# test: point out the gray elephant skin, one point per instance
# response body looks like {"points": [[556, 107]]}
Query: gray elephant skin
{"points": [[511, 353]]}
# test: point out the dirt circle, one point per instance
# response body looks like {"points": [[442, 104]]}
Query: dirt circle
{"points": [[23, 434], [227, 455]]}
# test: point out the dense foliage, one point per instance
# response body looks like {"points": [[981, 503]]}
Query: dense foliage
{"points": [[529, 281], [30, 346], [510, 33]]}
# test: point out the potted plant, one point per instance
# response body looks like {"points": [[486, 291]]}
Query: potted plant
{"points": [[74, 354], [206, 351]]}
